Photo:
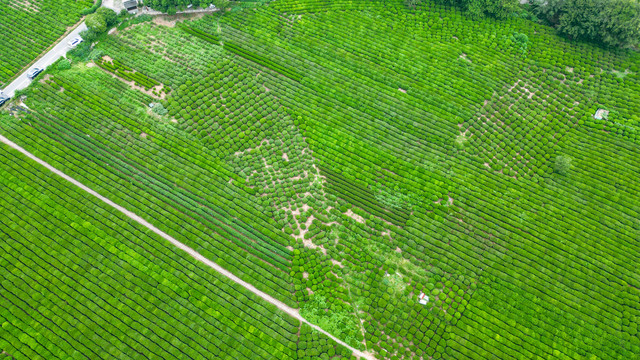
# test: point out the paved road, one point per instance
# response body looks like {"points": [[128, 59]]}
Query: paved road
{"points": [[49, 58], [282, 306]]}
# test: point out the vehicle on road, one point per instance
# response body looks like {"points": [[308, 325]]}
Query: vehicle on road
{"points": [[75, 41], [34, 72], [3, 98]]}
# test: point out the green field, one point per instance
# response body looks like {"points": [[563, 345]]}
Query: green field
{"points": [[344, 157], [28, 28]]}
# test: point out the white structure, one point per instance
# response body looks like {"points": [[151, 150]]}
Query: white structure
{"points": [[601, 113], [423, 299]]}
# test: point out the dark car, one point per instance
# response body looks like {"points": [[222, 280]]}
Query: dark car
{"points": [[34, 72], [3, 99]]}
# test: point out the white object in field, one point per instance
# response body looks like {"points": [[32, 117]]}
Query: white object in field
{"points": [[423, 299], [601, 113]]}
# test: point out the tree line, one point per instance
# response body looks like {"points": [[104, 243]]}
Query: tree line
{"points": [[172, 5], [614, 23]]}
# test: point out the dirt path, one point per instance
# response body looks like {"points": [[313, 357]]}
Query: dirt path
{"points": [[282, 306]]}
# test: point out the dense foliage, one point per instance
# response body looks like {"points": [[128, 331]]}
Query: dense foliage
{"points": [[348, 157], [101, 20], [610, 22], [27, 28], [80, 281]]}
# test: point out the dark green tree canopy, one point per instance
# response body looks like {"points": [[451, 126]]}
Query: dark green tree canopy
{"points": [[609, 22], [165, 5], [476, 8]]}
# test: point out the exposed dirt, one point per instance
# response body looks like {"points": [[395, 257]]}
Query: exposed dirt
{"points": [[171, 20], [44, 79], [22, 5], [354, 216], [336, 262], [132, 84]]}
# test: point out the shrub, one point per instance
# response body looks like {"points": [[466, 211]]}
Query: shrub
{"points": [[64, 64], [159, 109], [96, 23], [562, 164]]}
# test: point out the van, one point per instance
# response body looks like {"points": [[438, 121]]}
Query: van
{"points": [[75, 41]]}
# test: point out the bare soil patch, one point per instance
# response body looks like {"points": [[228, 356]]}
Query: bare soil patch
{"points": [[22, 5], [171, 20], [354, 216], [157, 89], [44, 79]]}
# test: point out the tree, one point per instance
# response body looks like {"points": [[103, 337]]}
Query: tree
{"points": [[477, 8], [110, 16], [96, 23], [609, 22], [562, 164]]}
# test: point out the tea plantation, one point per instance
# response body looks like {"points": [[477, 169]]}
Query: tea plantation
{"points": [[348, 158], [28, 28]]}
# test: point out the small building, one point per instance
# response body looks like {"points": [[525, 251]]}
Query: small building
{"points": [[423, 299], [130, 5]]}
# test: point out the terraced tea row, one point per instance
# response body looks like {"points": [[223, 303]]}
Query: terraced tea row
{"points": [[29, 27], [79, 280]]}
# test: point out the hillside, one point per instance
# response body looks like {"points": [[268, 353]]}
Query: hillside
{"points": [[344, 157]]}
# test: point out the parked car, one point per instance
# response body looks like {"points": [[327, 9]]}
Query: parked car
{"points": [[3, 99], [34, 72], [75, 41]]}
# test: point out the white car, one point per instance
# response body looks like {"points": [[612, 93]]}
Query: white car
{"points": [[34, 72], [75, 41]]}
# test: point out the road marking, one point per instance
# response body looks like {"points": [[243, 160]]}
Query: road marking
{"points": [[282, 306]]}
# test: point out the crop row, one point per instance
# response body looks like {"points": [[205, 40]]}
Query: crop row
{"points": [[29, 27], [221, 225], [127, 73], [80, 280]]}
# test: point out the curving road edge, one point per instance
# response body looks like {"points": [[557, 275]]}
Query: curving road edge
{"points": [[282, 306]]}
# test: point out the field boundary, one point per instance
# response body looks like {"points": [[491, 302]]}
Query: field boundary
{"points": [[280, 305], [45, 52]]}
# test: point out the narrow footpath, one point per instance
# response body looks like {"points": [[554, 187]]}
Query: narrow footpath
{"points": [[282, 306]]}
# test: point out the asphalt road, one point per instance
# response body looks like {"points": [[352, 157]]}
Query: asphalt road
{"points": [[49, 58]]}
